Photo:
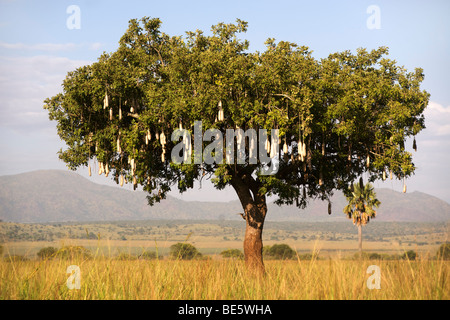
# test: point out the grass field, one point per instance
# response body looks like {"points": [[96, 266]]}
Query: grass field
{"points": [[331, 274], [107, 278]]}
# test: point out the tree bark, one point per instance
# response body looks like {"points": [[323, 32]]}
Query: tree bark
{"points": [[255, 209], [360, 240], [253, 244]]}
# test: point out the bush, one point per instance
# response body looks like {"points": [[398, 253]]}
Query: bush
{"points": [[385, 256], [232, 253], [148, 255], [410, 255], [374, 256], [15, 258], [444, 251], [184, 251], [279, 251], [47, 252], [125, 256], [371, 256], [308, 256], [74, 252]]}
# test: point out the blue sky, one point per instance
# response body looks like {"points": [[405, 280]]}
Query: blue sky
{"points": [[37, 49]]}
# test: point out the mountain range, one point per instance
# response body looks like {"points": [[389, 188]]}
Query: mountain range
{"points": [[62, 196]]}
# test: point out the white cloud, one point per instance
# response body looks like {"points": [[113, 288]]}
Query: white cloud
{"points": [[434, 107], [50, 47], [95, 46], [437, 119], [28, 139], [24, 84], [443, 130]]}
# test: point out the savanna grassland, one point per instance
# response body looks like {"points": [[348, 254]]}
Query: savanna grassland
{"points": [[114, 270], [224, 279]]}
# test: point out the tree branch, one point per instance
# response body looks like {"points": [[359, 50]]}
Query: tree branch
{"points": [[283, 95], [134, 115]]}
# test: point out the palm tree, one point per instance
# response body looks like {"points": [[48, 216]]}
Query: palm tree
{"points": [[361, 202]]}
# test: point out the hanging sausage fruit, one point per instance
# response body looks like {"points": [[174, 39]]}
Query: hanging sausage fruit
{"points": [[100, 168], [220, 116], [106, 170], [272, 150], [187, 143], [119, 149], [162, 138], [106, 101]]}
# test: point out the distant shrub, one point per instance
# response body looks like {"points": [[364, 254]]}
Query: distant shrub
{"points": [[148, 255], [374, 256], [47, 252], [377, 256], [444, 251], [308, 256], [409, 255], [279, 251], [74, 252], [15, 258], [265, 252], [232, 253], [385, 256], [184, 251], [125, 256]]}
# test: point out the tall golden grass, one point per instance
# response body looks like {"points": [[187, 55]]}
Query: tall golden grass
{"points": [[109, 278]]}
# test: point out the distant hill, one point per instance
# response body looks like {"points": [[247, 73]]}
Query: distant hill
{"points": [[58, 196]]}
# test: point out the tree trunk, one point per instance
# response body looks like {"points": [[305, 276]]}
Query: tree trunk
{"points": [[253, 244], [255, 209], [360, 240]]}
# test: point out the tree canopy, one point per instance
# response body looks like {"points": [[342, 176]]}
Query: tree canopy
{"points": [[340, 116], [361, 202]]}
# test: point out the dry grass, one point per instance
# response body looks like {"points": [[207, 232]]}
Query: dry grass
{"points": [[108, 278]]}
